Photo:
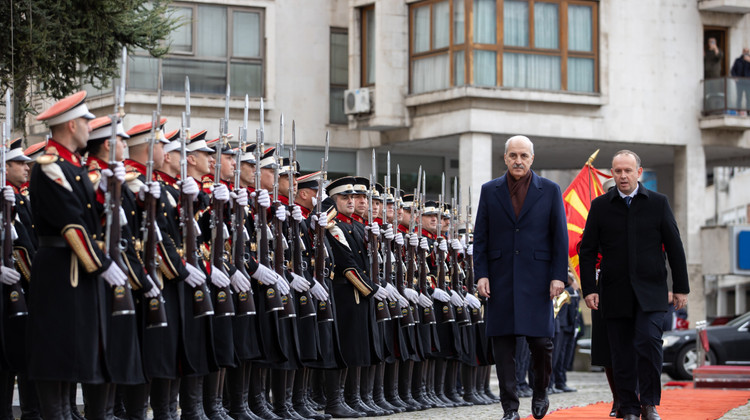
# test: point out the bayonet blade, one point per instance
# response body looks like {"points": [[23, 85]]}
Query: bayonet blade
{"points": [[123, 76]]}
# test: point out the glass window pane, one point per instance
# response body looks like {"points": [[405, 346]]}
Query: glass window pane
{"points": [[441, 25], [340, 162], [142, 72], [581, 74], [546, 26], [421, 29], [458, 22], [336, 110], [459, 68], [246, 78], [181, 39], [246, 37], [205, 76], [484, 22], [531, 71], [212, 33], [370, 47], [516, 23], [580, 28], [431, 73], [339, 58], [485, 68]]}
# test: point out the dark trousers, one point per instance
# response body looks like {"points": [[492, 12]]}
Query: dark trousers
{"points": [[563, 348], [636, 347], [504, 349], [522, 362]]}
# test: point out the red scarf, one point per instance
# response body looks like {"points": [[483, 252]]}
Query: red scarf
{"points": [[518, 190]]}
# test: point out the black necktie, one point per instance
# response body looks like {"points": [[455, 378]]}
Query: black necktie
{"points": [[628, 199]]}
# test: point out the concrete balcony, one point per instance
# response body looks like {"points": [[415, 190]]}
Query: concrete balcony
{"points": [[726, 101], [725, 6]]}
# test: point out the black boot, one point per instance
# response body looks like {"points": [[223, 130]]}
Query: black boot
{"points": [[429, 384], [28, 398], [299, 396], [390, 386], [469, 383], [368, 379], [54, 399], [279, 394], [257, 395], [211, 396], [191, 398], [95, 400], [160, 391], [317, 395], [438, 383], [335, 406], [352, 395], [404, 386], [236, 394], [174, 396], [378, 391], [418, 386], [449, 390], [484, 376]]}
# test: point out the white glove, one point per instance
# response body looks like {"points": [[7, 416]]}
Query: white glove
{"points": [[413, 239], [190, 188], [315, 217], [114, 275], [443, 245], [399, 238], [392, 292], [240, 283], [424, 245], [411, 295], [374, 228], [9, 276], [221, 193], [152, 188], [297, 213], [470, 250], [299, 283], [265, 276], [380, 294], [9, 195], [388, 233], [456, 299], [318, 292], [441, 295], [473, 302], [218, 278], [281, 213], [119, 172], [262, 198], [154, 292], [456, 244], [195, 277], [402, 301], [282, 285], [424, 301], [239, 197]]}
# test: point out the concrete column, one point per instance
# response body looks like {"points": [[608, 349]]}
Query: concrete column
{"points": [[740, 301], [721, 303], [689, 191], [475, 165]]}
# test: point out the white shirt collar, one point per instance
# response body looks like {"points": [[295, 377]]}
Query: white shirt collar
{"points": [[631, 195]]}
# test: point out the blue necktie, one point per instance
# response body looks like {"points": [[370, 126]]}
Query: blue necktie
{"points": [[628, 199]]}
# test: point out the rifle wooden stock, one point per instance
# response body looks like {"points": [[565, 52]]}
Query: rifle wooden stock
{"points": [[244, 302], [409, 279], [270, 294], [462, 312], [428, 316], [278, 264], [156, 315], [444, 307], [394, 307], [202, 305], [14, 295], [477, 315], [381, 307], [304, 300], [122, 298], [223, 305], [325, 313], [407, 317]]}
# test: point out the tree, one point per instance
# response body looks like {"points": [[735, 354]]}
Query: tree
{"points": [[55, 47]]}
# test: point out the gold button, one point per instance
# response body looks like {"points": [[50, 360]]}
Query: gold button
{"points": [[21, 202], [165, 214], [132, 213], [93, 236], [88, 205], [78, 178]]}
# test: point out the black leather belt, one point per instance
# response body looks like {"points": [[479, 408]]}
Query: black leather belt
{"points": [[53, 242]]}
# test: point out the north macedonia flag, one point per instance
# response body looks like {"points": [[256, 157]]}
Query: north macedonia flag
{"points": [[586, 186]]}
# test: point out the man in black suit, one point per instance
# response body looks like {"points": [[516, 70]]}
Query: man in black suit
{"points": [[632, 228]]}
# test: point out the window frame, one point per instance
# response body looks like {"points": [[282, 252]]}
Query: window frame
{"points": [[331, 84], [468, 46], [364, 10]]}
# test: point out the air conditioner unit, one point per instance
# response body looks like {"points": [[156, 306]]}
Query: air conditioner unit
{"points": [[357, 101]]}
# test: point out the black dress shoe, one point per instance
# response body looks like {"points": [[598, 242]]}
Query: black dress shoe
{"points": [[511, 415], [615, 412], [539, 406], [648, 412], [631, 417], [566, 388]]}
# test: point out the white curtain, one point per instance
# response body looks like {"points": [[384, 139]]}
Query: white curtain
{"points": [[212, 31], [579, 28], [421, 29], [485, 13], [485, 68], [458, 22], [459, 68], [546, 26], [430, 73], [580, 74], [370, 47], [246, 37], [441, 18], [181, 39], [531, 71], [516, 23]]}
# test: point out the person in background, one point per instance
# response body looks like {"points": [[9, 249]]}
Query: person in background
{"points": [[712, 60]]}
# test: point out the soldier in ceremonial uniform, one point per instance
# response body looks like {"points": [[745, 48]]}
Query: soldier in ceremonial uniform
{"points": [[13, 326], [353, 292], [74, 278]]}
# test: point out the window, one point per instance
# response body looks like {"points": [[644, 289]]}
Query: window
{"points": [[215, 45], [368, 45], [339, 74], [528, 44], [340, 162]]}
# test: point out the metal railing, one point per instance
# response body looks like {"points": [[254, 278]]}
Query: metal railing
{"points": [[726, 95]]}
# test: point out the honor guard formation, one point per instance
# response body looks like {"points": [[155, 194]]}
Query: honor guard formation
{"points": [[205, 281]]}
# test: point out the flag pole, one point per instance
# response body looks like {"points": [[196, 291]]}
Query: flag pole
{"points": [[590, 162]]}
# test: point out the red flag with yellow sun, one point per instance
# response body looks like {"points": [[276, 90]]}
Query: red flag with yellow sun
{"points": [[585, 187]]}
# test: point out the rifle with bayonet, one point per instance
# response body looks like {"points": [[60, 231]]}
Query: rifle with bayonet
{"points": [[394, 307], [14, 296], [156, 315], [272, 299], [457, 276], [477, 315], [245, 304], [325, 313], [279, 242], [428, 316], [411, 251], [304, 301], [223, 305], [202, 305], [445, 308], [381, 307], [407, 313]]}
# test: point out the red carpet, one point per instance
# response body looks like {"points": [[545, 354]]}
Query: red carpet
{"points": [[683, 404]]}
